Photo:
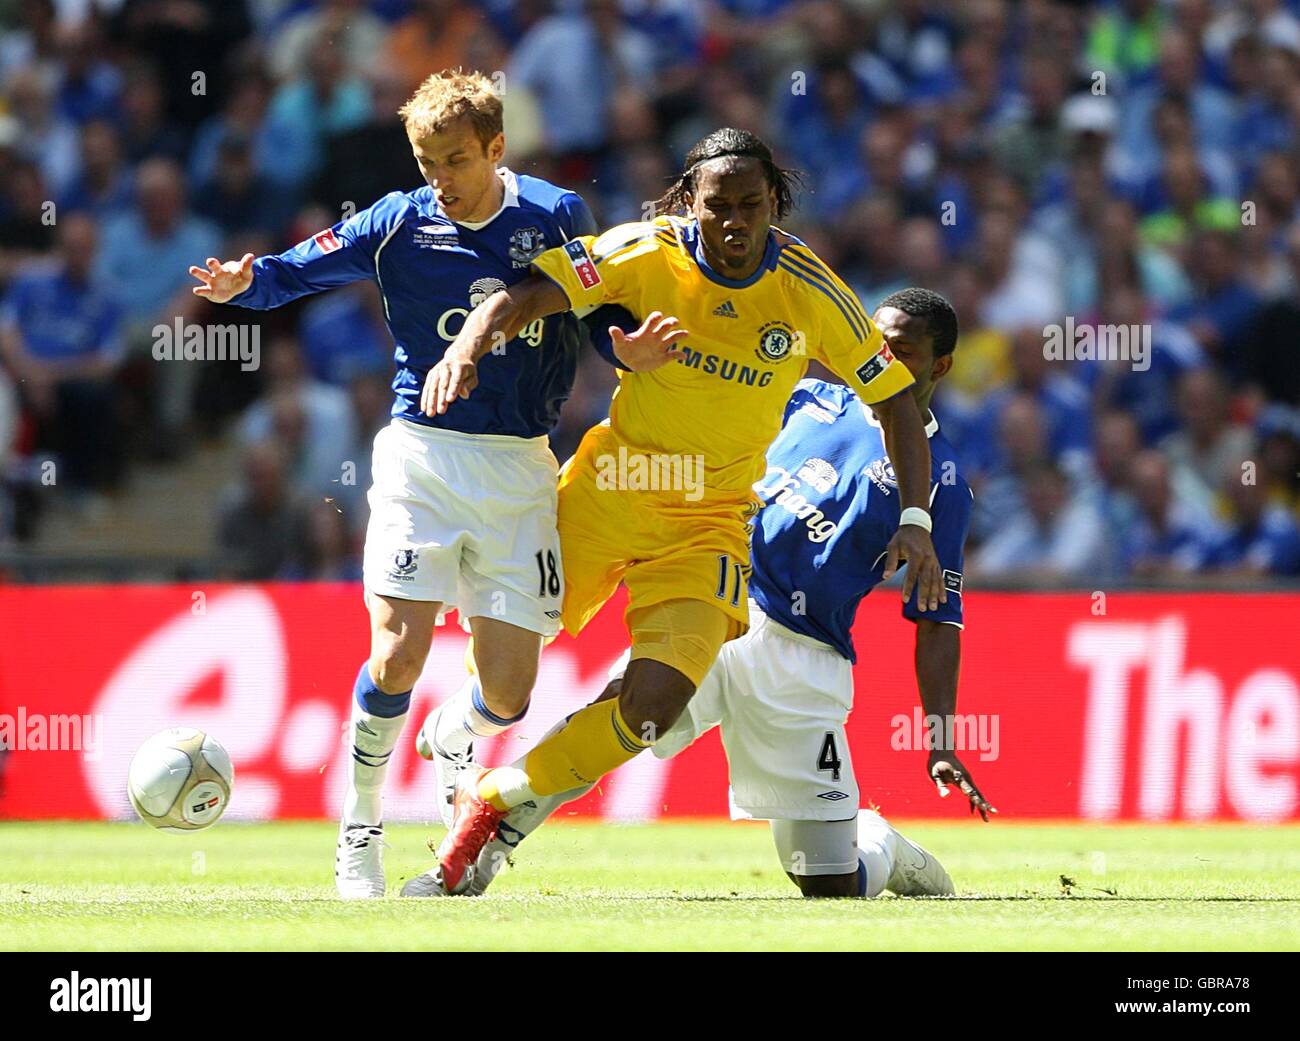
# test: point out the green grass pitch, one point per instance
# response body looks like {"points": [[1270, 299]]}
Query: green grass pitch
{"points": [[664, 886]]}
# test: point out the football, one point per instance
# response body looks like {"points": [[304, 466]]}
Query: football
{"points": [[180, 780]]}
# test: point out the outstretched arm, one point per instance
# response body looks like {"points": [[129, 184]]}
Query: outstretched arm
{"points": [[332, 257], [938, 661]]}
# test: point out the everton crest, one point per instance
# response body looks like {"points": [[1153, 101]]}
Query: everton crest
{"points": [[405, 561], [526, 245]]}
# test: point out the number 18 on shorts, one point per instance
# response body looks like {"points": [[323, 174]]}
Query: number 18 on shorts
{"points": [[467, 520]]}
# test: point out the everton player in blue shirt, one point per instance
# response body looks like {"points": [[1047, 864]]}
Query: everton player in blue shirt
{"points": [[783, 691], [462, 508]]}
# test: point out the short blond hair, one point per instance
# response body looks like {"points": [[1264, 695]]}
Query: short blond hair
{"points": [[447, 96]]}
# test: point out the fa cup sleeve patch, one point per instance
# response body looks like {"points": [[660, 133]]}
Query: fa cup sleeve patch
{"points": [[583, 265], [875, 365], [327, 241]]}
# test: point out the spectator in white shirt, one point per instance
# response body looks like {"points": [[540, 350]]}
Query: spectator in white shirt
{"points": [[1207, 440], [1057, 537]]}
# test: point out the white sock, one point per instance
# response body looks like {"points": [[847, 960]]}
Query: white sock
{"points": [[514, 829], [372, 741], [877, 842], [464, 717]]}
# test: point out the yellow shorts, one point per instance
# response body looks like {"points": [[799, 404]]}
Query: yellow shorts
{"points": [[661, 544]]}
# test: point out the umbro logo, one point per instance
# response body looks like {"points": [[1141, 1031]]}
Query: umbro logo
{"points": [[726, 310], [832, 796]]}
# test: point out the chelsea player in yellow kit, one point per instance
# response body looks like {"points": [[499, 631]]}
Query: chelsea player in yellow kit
{"points": [[759, 304]]}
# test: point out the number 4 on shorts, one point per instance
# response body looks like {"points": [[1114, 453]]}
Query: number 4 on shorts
{"points": [[829, 757]]}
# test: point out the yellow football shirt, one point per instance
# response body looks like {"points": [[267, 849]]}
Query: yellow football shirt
{"points": [[749, 341]]}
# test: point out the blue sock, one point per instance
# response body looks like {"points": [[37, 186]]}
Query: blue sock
{"points": [[465, 716], [374, 702], [500, 722]]}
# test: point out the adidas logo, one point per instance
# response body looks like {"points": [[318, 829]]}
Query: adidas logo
{"points": [[726, 310]]}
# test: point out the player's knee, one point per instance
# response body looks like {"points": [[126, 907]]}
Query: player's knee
{"points": [[653, 696], [506, 689], [396, 665], [674, 643]]}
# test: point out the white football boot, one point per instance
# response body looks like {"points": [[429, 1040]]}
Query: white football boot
{"points": [[447, 766], [917, 872], [359, 862]]}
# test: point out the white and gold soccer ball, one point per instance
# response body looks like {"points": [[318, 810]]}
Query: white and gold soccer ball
{"points": [[180, 780]]}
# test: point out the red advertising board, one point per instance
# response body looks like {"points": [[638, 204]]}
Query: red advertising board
{"points": [[1130, 706]]}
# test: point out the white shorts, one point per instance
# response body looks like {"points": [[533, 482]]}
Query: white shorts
{"points": [[782, 700], [468, 520]]}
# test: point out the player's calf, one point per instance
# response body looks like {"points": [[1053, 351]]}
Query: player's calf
{"points": [[822, 859], [401, 632], [861, 857], [394, 672], [823, 886]]}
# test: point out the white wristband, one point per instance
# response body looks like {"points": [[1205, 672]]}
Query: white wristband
{"points": [[915, 515]]}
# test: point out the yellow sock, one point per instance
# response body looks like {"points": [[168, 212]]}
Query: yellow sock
{"points": [[596, 740]]}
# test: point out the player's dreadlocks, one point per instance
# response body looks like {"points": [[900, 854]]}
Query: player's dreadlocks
{"points": [[940, 318], [729, 141]]}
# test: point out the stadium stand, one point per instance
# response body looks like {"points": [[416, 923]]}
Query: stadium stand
{"points": [[1123, 166]]}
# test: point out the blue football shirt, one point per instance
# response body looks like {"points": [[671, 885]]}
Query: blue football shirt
{"points": [[831, 505], [432, 272]]}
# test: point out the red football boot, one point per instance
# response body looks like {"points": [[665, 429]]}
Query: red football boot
{"points": [[473, 825]]}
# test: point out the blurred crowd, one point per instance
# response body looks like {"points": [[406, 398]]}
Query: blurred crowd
{"points": [[1131, 164]]}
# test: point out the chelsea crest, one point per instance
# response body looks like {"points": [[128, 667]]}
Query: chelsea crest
{"points": [[775, 342]]}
